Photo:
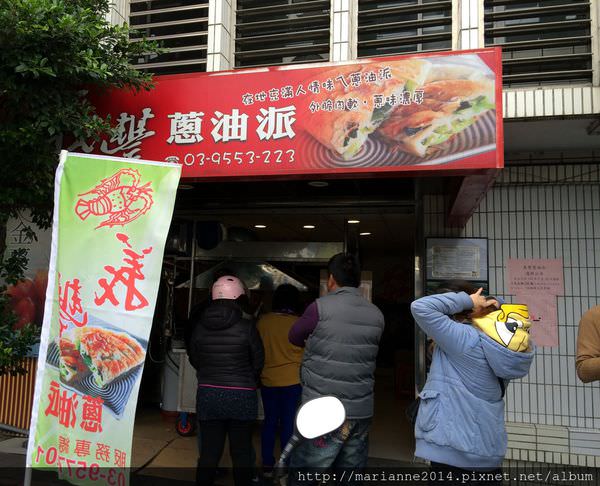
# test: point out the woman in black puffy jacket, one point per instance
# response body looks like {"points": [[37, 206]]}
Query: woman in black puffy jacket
{"points": [[228, 355]]}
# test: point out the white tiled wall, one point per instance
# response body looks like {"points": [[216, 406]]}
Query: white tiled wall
{"points": [[221, 25], [545, 212], [119, 12], [550, 101], [343, 30], [467, 24]]}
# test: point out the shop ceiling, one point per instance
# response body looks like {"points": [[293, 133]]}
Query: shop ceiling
{"points": [[381, 195], [386, 231], [295, 195]]}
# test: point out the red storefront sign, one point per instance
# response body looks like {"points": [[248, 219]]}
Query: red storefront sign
{"points": [[439, 111]]}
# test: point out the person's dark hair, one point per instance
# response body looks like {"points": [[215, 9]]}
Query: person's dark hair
{"points": [[461, 286], [457, 286], [345, 270], [285, 298]]}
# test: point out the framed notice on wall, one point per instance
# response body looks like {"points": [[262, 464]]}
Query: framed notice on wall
{"points": [[457, 258]]}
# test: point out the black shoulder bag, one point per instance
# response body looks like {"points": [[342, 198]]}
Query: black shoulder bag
{"points": [[412, 410]]}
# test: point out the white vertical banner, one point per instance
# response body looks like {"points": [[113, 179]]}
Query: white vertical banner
{"points": [[111, 219]]}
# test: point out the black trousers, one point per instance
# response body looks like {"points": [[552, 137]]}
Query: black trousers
{"points": [[445, 474], [212, 443]]}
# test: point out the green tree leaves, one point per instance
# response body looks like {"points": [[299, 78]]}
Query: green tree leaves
{"points": [[52, 54]]}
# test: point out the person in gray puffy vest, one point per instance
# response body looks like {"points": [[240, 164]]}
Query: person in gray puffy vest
{"points": [[340, 333]]}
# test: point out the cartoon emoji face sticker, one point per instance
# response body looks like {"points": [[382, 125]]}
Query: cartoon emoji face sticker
{"points": [[508, 326]]}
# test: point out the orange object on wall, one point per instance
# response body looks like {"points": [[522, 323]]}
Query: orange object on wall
{"points": [[16, 396]]}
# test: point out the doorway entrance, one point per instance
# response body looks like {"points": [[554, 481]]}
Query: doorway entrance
{"points": [[291, 242]]}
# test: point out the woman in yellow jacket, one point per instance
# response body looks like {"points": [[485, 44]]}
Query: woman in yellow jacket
{"points": [[281, 390]]}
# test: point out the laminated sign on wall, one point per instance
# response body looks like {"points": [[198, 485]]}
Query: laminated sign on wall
{"points": [[457, 258], [111, 218]]}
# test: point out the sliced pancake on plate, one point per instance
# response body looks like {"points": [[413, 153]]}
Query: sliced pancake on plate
{"points": [[346, 131], [70, 363], [448, 108], [109, 354]]}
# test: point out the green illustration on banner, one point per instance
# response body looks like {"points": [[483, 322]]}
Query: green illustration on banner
{"points": [[111, 220]]}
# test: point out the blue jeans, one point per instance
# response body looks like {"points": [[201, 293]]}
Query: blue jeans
{"points": [[346, 447], [280, 404]]}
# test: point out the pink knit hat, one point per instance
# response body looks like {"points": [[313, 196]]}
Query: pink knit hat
{"points": [[228, 287]]}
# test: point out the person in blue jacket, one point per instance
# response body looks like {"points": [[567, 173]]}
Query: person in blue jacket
{"points": [[460, 422]]}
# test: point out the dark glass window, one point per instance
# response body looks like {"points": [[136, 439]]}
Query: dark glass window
{"points": [[271, 32], [387, 27], [180, 26], [545, 42]]}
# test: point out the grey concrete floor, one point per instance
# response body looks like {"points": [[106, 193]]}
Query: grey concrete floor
{"points": [[161, 456]]}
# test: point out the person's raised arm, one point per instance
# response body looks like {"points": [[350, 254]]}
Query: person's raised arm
{"points": [[433, 315]]}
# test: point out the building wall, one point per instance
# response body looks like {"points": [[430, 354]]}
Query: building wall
{"points": [[119, 12], [544, 212], [564, 60], [550, 211]]}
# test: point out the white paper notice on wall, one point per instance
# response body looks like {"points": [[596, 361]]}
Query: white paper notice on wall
{"points": [[456, 262], [537, 283], [537, 276]]}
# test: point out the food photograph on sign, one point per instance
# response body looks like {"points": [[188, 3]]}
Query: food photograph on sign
{"points": [[392, 114], [100, 361], [406, 112]]}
